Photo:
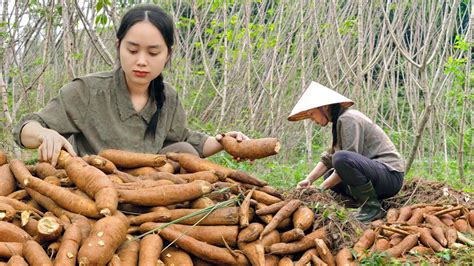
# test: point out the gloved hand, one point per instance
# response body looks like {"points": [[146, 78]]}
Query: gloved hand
{"points": [[51, 144]]}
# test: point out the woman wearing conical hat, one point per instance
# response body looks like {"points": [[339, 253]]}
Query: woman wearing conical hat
{"points": [[362, 161]]}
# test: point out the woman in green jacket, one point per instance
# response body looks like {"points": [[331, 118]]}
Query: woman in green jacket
{"points": [[129, 108]]}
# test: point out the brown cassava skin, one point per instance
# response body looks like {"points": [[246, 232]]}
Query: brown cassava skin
{"points": [[19, 206], [244, 210], [143, 184], [470, 217], [324, 252], [141, 171], [392, 215], [126, 177], [306, 257], [35, 254], [18, 195], [100, 163], [128, 252], [115, 261], [433, 220], [12, 233], [265, 198], [61, 196], [271, 238], [192, 163], [271, 260], [395, 239], [44, 169], [160, 215], [49, 229], [166, 195], [202, 203], [127, 159], [203, 250], [105, 237], [421, 250], [17, 260], [380, 245], [438, 234], [267, 189], [303, 218], [285, 261], [250, 233], [150, 248], [7, 181], [53, 248], [244, 177], [416, 216], [365, 241], [176, 179], [48, 204], [222, 216], [3, 158], [53, 180], [92, 181], [344, 257], [67, 253], [298, 246], [115, 179], [31, 226], [317, 261], [250, 149], [8, 249], [209, 176], [254, 252], [292, 235], [404, 214], [169, 167], [271, 209], [462, 226], [215, 235], [451, 236], [401, 248], [282, 214], [7, 211], [175, 256]]}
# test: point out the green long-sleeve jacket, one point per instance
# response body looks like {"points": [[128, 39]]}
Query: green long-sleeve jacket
{"points": [[95, 113]]}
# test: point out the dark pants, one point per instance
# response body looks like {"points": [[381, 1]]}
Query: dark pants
{"points": [[356, 170]]}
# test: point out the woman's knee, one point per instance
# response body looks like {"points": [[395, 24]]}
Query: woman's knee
{"points": [[341, 159]]}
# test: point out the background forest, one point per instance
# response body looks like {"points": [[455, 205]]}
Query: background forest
{"points": [[242, 65]]}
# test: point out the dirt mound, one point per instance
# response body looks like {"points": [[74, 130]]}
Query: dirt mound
{"points": [[419, 190]]}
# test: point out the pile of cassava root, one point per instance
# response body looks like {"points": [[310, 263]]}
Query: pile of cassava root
{"points": [[123, 208]]}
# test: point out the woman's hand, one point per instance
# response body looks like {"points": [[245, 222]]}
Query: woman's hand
{"points": [[239, 136], [51, 144], [304, 183]]}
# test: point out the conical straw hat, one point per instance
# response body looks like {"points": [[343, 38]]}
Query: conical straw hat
{"points": [[316, 95]]}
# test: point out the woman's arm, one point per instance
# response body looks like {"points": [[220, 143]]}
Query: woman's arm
{"points": [[316, 173], [48, 142]]}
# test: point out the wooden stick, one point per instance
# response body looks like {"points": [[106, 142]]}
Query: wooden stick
{"points": [[395, 230], [448, 210]]}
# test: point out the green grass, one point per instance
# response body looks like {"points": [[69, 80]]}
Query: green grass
{"points": [[287, 175]]}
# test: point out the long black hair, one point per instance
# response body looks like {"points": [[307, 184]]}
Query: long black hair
{"points": [[164, 23], [336, 110]]}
